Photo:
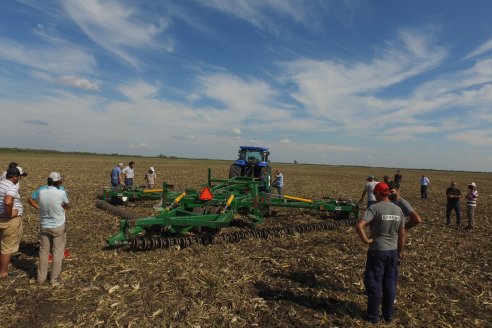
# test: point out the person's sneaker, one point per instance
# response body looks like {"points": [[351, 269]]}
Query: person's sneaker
{"points": [[57, 282]]}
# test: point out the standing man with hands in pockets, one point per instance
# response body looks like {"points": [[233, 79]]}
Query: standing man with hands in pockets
{"points": [[386, 241]]}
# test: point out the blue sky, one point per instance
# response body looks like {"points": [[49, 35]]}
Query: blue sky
{"points": [[379, 83]]}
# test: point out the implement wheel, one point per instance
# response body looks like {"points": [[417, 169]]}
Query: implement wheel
{"points": [[235, 171]]}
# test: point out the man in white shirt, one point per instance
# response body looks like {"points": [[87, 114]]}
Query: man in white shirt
{"points": [[368, 189], [129, 174], [11, 228]]}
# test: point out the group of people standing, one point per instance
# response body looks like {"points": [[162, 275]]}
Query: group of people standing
{"points": [[127, 175], [453, 196], [389, 217], [51, 201]]}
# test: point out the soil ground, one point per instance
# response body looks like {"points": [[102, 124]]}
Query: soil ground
{"points": [[304, 280]]}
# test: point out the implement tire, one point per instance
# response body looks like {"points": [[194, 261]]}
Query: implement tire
{"points": [[235, 171]]}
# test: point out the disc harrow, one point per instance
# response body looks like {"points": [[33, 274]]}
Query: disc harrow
{"points": [[216, 206], [151, 243]]}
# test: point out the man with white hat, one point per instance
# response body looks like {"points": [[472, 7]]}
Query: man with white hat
{"points": [[150, 177], [52, 201]]}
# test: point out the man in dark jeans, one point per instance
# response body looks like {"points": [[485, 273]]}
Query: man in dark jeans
{"points": [[386, 241], [424, 186], [453, 195]]}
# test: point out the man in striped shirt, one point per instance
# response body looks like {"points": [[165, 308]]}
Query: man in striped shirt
{"points": [[471, 204], [10, 220]]}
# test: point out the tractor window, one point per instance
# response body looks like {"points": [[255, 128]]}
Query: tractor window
{"points": [[253, 156]]}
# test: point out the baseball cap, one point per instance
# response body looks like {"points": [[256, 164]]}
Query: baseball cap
{"points": [[13, 172], [382, 188], [473, 184], [371, 177], [22, 173], [55, 176], [151, 168], [120, 164]]}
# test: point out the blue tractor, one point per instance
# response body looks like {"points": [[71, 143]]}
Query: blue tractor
{"points": [[250, 162]]}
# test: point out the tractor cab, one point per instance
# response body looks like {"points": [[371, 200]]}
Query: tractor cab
{"points": [[250, 162]]}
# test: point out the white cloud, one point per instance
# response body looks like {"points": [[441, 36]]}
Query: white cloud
{"points": [[79, 82], [264, 14], [47, 58], [483, 48], [473, 137], [285, 141], [119, 28], [142, 145], [345, 92], [136, 90], [236, 131]]}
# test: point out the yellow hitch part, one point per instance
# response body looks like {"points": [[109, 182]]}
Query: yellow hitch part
{"points": [[175, 202], [298, 199], [179, 198], [152, 190], [229, 201]]}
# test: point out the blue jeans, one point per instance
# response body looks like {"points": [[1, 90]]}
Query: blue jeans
{"points": [[128, 182], [380, 279], [456, 207]]}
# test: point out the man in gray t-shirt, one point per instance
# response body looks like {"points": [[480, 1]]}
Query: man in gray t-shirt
{"points": [[386, 241], [411, 217]]}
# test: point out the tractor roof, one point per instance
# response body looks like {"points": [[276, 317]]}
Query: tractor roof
{"points": [[253, 148]]}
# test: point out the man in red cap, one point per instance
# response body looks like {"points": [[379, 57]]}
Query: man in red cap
{"points": [[386, 241]]}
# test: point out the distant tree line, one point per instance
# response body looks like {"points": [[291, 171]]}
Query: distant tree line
{"points": [[50, 151]]}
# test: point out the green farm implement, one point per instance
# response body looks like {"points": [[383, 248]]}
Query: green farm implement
{"points": [[123, 195], [192, 216]]}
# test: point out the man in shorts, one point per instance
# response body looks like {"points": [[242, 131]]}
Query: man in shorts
{"points": [[10, 220]]}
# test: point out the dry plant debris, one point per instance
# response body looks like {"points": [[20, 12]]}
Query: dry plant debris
{"points": [[296, 281]]}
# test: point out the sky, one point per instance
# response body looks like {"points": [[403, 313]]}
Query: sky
{"points": [[401, 84]]}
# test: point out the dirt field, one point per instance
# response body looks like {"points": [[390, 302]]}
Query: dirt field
{"points": [[305, 280]]}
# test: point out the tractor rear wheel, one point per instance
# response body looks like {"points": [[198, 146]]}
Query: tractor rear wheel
{"points": [[235, 171]]}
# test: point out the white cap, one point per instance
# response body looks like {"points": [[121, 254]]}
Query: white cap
{"points": [[120, 164], [152, 169], [473, 184], [22, 173], [55, 176]]}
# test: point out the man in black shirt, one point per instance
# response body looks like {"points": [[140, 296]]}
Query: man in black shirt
{"points": [[397, 178], [453, 195]]}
